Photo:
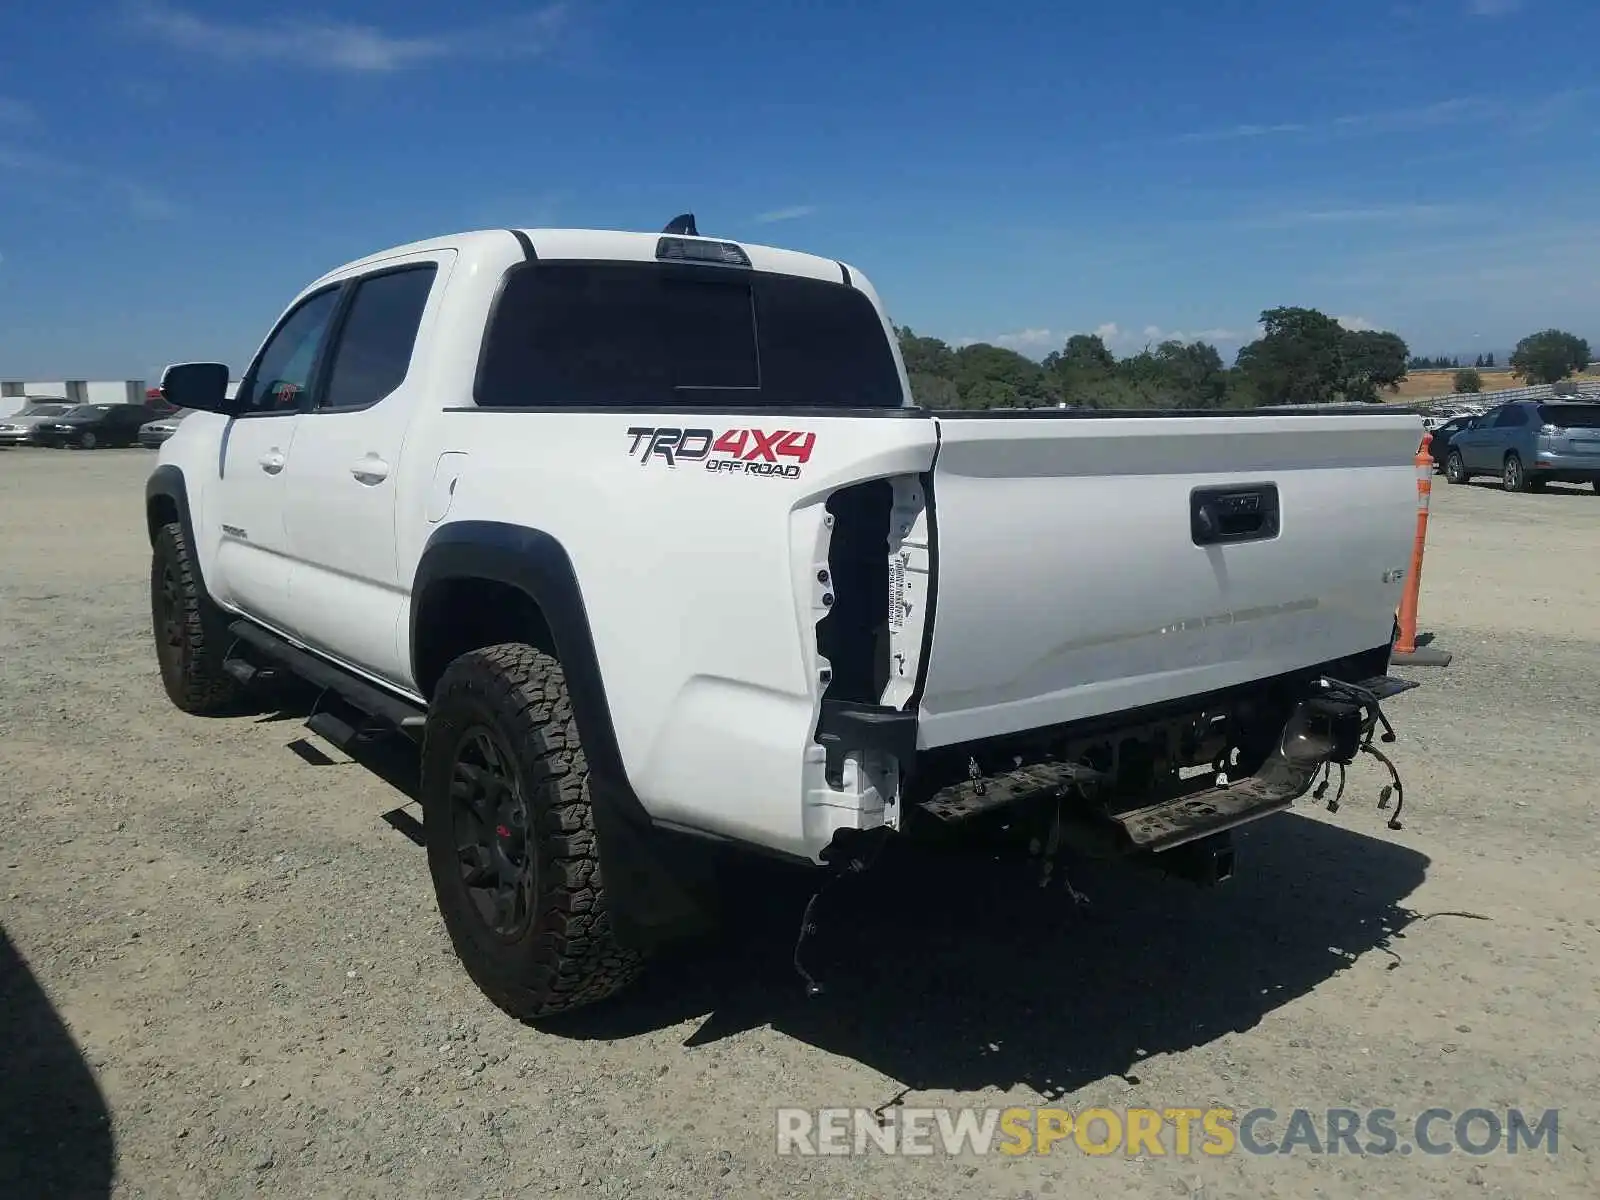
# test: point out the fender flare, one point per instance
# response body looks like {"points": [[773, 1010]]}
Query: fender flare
{"points": [[652, 888], [166, 482]]}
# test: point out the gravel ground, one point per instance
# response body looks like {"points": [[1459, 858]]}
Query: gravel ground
{"points": [[223, 973]]}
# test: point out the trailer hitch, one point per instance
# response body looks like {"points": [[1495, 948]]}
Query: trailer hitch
{"points": [[1328, 729]]}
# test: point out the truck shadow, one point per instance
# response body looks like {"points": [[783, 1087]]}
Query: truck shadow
{"points": [[952, 970], [948, 972], [55, 1127]]}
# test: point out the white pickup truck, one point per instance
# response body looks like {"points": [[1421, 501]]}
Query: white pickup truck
{"points": [[644, 541]]}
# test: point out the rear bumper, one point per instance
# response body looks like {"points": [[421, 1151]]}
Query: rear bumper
{"points": [[1566, 468]]}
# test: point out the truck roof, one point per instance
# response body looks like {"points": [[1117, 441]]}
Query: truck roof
{"points": [[604, 244]]}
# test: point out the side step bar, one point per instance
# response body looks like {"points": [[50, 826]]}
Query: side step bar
{"points": [[373, 701]]}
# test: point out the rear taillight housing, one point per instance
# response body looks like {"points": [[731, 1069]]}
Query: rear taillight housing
{"points": [[1549, 430]]}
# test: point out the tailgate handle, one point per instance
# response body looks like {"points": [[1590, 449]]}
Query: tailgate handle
{"points": [[1241, 513]]}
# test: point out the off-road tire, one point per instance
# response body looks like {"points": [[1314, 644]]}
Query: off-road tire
{"points": [[191, 655], [568, 957], [1455, 468]]}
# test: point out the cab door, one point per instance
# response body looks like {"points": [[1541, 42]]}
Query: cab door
{"points": [[253, 467], [346, 595]]}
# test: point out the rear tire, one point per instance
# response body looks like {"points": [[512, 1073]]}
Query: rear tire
{"points": [[512, 849], [1455, 470], [1513, 475], [189, 655]]}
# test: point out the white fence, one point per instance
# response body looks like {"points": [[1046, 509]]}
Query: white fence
{"points": [[1483, 401]]}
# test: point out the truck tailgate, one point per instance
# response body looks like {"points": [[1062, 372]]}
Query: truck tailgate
{"points": [[1076, 575]]}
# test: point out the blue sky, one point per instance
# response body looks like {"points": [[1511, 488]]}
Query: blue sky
{"points": [[172, 172]]}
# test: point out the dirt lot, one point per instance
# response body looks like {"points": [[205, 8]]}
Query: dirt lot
{"points": [[1421, 384], [223, 974]]}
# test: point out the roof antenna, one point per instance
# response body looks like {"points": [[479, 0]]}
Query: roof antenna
{"points": [[683, 225]]}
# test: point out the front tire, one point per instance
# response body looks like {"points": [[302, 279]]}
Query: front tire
{"points": [[87, 441], [1455, 471], [188, 652], [512, 849]]}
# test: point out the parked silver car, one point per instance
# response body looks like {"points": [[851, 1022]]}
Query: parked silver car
{"points": [[153, 433], [1529, 443], [17, 429]]}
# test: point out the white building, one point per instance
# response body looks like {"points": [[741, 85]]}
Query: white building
{"points": [[16, 392]]}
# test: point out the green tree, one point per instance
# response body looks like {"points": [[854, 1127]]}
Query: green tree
{"points": [[1468, 381], [1488, 360], [1173, 375], [934, 391], [1549, 356], [1372, 359], [1087, 352], [992, 393], [1024, 379], [1081, 372], [1299, 359], [925, 355]]}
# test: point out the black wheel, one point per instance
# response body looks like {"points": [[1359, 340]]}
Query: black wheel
{"points": [[1515, 478], [1455, 471], [511, 843], [188, 647], [87, 440]]}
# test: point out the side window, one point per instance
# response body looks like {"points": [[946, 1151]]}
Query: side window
{"points": [[284, 372], [375, 343], [1510, 417]]}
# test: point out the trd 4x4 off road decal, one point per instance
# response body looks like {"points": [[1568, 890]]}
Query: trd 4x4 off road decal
{"points": [[778, 452]]}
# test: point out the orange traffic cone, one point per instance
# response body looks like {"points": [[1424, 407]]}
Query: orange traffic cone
{"points": [[1406, 651]]}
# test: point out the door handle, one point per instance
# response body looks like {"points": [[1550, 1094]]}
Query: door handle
{"points": [[370, 470], [272, 461]]}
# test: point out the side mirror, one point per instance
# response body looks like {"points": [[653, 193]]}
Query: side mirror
{"points": [[197, 385]]}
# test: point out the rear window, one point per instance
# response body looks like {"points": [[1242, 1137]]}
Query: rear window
{"points": [[1571, 416], [626, 334]]}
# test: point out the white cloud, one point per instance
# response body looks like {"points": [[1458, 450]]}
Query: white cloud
{"points": [[1154, 334], [1030, 340], [1459, 110], [1357, 324], [1369, 214], [792, 213], [343, 45]]}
